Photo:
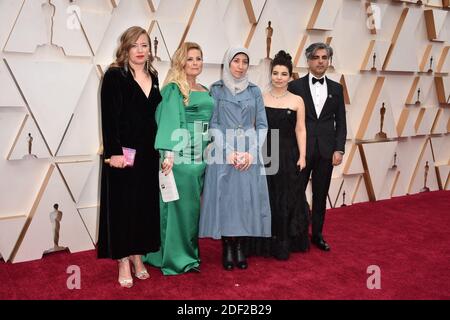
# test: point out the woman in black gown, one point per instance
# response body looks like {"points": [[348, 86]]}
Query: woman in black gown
{"points": [[129, 205], [286, 151]]}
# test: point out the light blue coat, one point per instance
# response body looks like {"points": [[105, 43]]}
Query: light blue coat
{"points": [[236, 203]]}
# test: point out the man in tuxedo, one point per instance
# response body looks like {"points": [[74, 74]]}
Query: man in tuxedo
{"points": [[326, 131]]}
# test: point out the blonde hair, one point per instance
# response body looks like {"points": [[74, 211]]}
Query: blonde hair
{"points": [[127, 39], [176, 73]]}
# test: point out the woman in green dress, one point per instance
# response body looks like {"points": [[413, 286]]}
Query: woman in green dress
{"points": [[183, 118]]}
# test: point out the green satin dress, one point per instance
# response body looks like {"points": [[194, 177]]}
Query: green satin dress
{"points": [[179, 219]]}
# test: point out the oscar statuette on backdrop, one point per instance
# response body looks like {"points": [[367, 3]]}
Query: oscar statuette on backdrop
{"points": [[394, 166], [381, 135], [425, 176], [269, 34], [343, 200], [374, 57], [155, 46], [430, 69], [30, 147], [418, 98]]}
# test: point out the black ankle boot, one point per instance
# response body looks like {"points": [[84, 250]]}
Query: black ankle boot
{"points": [[227, 253], [241, 261]]}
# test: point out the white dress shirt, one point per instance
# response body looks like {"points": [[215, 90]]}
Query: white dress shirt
{"points": [[319, 93]]}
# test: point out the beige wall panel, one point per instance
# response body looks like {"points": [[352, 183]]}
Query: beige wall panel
{"points": [[441, 121], [67, 31], [363, 93], [39, 13], [75, 175], [173, 18], [360, 194], [403, 55], [154, 4], [10, 96], [350, 82], [161, 50], [90, 218], [39, 235], [83, 134], [90, 195], [236, 20], [208, 21], [127, 14], [385, 192], [95, 17], [60, 83], [333, 192], [289, 20], [352, 160], [163, 68], [435, 21], [261, 75], [9, 11], [441, 149], [418, 177], [379, 48], [211, 73], [9, 233], [255, 7], [20, 147], [426, 122], [349, 186], [324, 14], [408, 154], [409, 126], [19, 185], [378, 167], [11, 122]]}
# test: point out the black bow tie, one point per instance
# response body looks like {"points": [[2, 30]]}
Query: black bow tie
{"points": [[321, 80]]}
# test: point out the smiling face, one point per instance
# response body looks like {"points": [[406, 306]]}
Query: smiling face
{"points": [[319, 62], [194, 63], [239, 65], [280, 76], [140, 50]]}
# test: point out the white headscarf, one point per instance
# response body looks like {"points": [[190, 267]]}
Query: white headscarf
{"points": [[234, 85]]}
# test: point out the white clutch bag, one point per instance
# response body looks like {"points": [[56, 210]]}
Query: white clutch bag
{"points": [[168, 187]]}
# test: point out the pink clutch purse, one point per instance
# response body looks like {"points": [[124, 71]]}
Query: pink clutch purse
{"points": [[129, 155]]}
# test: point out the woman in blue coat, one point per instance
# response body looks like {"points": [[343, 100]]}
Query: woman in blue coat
{"points": [[235, 196]]}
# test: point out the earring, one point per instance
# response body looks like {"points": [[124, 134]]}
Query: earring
{"points": [[125, 66]]}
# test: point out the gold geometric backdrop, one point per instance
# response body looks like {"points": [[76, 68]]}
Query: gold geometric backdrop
{"points": [[392, 58]]}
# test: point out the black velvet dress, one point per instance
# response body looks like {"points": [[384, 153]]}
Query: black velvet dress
{"points": [[290, 219], [129, 204]]}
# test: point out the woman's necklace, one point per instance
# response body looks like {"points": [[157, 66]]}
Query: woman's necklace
{"points": [[280, 96]]}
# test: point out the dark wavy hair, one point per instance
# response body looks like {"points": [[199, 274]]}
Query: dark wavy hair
{"points": [[282, 58]]}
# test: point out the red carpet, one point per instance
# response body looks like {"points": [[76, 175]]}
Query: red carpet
{"points": [[407, 237]]}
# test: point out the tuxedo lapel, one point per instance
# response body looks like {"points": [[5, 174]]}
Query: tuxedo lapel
{"points": [[309, 103]]}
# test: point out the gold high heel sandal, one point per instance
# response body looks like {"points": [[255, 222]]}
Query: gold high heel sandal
{"points": [[125, 282], [143, 274]]}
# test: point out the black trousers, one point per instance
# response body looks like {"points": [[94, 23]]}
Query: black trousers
{"points": [[321, 170]]}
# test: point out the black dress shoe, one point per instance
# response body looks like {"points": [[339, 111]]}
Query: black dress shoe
{"points": [[227, 253], [321, 244]]}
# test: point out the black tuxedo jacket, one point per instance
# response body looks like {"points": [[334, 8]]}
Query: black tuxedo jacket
{"points": [[330, 129]]}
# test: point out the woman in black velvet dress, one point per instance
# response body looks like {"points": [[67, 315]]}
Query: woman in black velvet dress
{"points": [[287, 135], [129, 207]]}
